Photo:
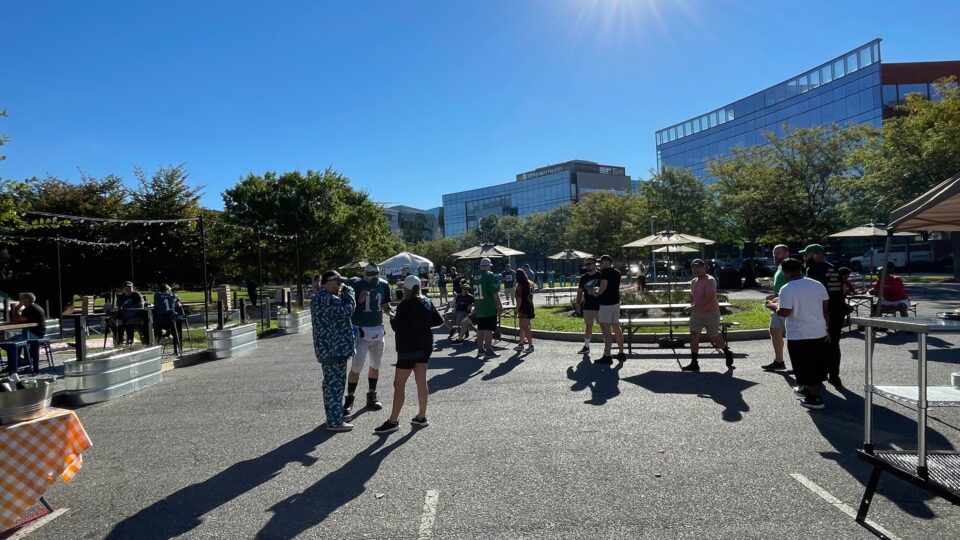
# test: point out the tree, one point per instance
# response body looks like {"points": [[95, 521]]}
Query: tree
{"points": [[746, 188], [602, 222], [678, 199]]}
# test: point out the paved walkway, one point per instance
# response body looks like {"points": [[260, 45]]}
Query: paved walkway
{"points": [[544, 445]]}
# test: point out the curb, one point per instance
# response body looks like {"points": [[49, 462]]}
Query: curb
{"points": [[651, 337]]}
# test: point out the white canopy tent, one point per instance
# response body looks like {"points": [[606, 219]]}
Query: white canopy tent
{"points": [[415, 263]]}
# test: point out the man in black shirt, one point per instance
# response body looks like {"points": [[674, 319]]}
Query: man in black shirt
{"points": [[587, 303], [608, 296], [827, 275], [28, 312], [131, 316], [461, 308]]}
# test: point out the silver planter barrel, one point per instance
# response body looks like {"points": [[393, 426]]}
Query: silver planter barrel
{"points": [[293, 323], [111, 374], [232, 341]]}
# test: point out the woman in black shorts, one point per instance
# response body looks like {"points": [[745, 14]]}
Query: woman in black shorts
{"points": [[413, 322], [525, 311]]}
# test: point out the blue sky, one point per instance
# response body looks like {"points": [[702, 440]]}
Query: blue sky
{"points": [[409, 99]]}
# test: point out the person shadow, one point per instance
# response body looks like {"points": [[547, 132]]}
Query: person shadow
{"points": [[457, 371], [181, 512], [602, 380], [301, 511], [841, 425], [723, 388], [504, 367]]}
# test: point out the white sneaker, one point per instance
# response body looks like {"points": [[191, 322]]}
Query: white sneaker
{"points": [[344, 427]]}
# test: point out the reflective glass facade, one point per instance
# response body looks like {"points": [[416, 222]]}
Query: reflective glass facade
{"points": [[534, 191], [412, 224], [845, 91]]}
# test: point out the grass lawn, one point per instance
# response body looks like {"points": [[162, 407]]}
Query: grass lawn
{"points": [[940, 278], [749, 313]]}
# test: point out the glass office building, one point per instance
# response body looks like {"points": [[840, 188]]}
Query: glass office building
{"points": [[534, 191], [853, 88], [412, 224]]}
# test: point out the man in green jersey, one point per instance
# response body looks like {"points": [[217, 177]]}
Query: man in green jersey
{"points": [[486, 301], [777, 325], [373, 300]]}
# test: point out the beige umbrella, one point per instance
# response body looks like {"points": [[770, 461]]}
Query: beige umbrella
{"points": [[668, 238], [353, 265], [675, 249], [569, 254], [490, 251], [866, 231]]}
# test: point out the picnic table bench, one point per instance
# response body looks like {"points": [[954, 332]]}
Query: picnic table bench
{"points": [[631, 326], [643, 308], [553, 294]]}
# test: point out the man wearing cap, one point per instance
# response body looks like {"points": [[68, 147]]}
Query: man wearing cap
{"points": [[777, 324], [509, 279], [373, 300], [130, 316], [607, 293], [331, 310], [587, 303], [827, 275], [486, 298], [804, 303], [704, 314]]}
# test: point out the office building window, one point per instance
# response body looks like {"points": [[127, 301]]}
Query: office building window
{"points": [[838, 70], [814, 79], [826, 74], [865, 57], [851, 63]]}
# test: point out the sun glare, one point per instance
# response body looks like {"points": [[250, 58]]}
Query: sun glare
{"points": [[630, 20]]}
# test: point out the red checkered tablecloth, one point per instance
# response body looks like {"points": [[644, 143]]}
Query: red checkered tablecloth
{"points": [[32, 455]]}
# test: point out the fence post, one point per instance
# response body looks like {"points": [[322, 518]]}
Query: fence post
{"points": [[266, 306], [289, 295], [80, 337], [149, 328], [219, 314], [243, 310]]}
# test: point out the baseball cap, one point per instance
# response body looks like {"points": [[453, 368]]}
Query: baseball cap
{"points": [[812, 248], [791, 265], [696, 262], [371, 269], [128, 284], [332, 275], [606, 257], [485, 262], [410, 282]]}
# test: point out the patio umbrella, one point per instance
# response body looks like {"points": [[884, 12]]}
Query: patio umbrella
{"points": [[569, 255], [353, 265], [869, 230], [490, 251], [668, 239], [675, 249], [405, 259]]}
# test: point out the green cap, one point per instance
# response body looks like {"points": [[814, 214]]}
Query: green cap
{"points": [[812, 248]]}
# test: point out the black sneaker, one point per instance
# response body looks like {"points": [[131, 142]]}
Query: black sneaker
{"points": [[621, 357], [835, 381], [775, 366], [348, 404], [387, 427], [605, 360], [450, 337], [341, 428], [584, 350], [372, 402], [801, 392], [728, 354], [490, 353], [692, 366], [813, 402], [420, 421]]}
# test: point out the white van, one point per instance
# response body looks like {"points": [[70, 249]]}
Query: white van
{"points": [[873, 258]]}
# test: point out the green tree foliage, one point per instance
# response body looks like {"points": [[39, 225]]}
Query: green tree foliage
{"points": [[679, 201], [334, 222], [746, 187], [602, 222], [915, 150]]}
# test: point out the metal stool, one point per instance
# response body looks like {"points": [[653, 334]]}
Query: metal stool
{"points": [[13, 349], [44, 344]]}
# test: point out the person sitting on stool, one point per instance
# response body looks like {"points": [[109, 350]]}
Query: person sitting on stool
{"points": [[130, 303], [167, 310], [895, 298], [28, 312]]}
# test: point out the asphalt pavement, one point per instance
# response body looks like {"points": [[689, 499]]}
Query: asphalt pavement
{"points": [[540, 445]]}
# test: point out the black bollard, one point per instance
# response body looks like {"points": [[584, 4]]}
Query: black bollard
{"points": [[266, 306], [243, 310], [149, 328], [219, 314], [80, 337], [289, 296], [6, 310]]}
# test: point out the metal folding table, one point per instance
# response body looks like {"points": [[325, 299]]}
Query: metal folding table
{"points": [[936, 472]]}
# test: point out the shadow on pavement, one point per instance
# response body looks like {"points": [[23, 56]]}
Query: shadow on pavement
{"points": [[182, 511], [602, 380], [841, 424], [302, 511], [458, 371], [504, 367], [722, 388]]}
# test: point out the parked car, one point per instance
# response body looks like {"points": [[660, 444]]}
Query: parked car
{"points": [[920, 255]]}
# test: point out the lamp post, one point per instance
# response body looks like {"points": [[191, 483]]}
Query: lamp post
{"points": [[653, 256]]}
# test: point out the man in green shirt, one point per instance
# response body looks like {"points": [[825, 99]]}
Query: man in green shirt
{"points": [[777, 324], [486, 301], [373, 300]]}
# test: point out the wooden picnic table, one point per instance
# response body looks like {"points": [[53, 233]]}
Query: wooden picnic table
{"points": [[16, 326], [632, 325], [678, 306]]}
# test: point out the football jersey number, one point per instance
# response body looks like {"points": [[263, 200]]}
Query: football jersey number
{"points": [[478, 291], [366, 302]]}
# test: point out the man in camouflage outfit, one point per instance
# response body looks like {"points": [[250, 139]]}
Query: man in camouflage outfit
{"points": [[333, 342]]}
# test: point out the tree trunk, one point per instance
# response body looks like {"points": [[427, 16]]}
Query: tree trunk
{"points": [[955, 237]]}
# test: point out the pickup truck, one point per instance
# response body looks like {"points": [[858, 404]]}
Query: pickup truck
{"points": [[920, 254]]}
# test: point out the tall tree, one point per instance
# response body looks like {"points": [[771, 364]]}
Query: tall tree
{"points": [[747, 196], [678, 199], [602, 222]]}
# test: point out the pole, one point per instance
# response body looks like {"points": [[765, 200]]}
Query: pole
{"points": [[653, 256], [203, 259], [59, 290], [131, 260], [296, 240], [260, 283]]}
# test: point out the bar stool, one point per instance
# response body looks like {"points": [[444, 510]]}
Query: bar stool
{"points": [[44, 344], [13, 349]]}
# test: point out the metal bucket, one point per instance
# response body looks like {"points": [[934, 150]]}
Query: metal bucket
{"points": [[26, 404]]}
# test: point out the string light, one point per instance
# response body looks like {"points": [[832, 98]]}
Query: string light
{"points": [[81, 219], [63, 240]]}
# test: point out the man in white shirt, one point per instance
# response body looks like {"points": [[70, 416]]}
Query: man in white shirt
{"points": [[803, 302]]}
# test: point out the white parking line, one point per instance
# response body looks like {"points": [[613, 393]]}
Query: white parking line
{"points": [[34, 525], [840, 505], [429, 514]]}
